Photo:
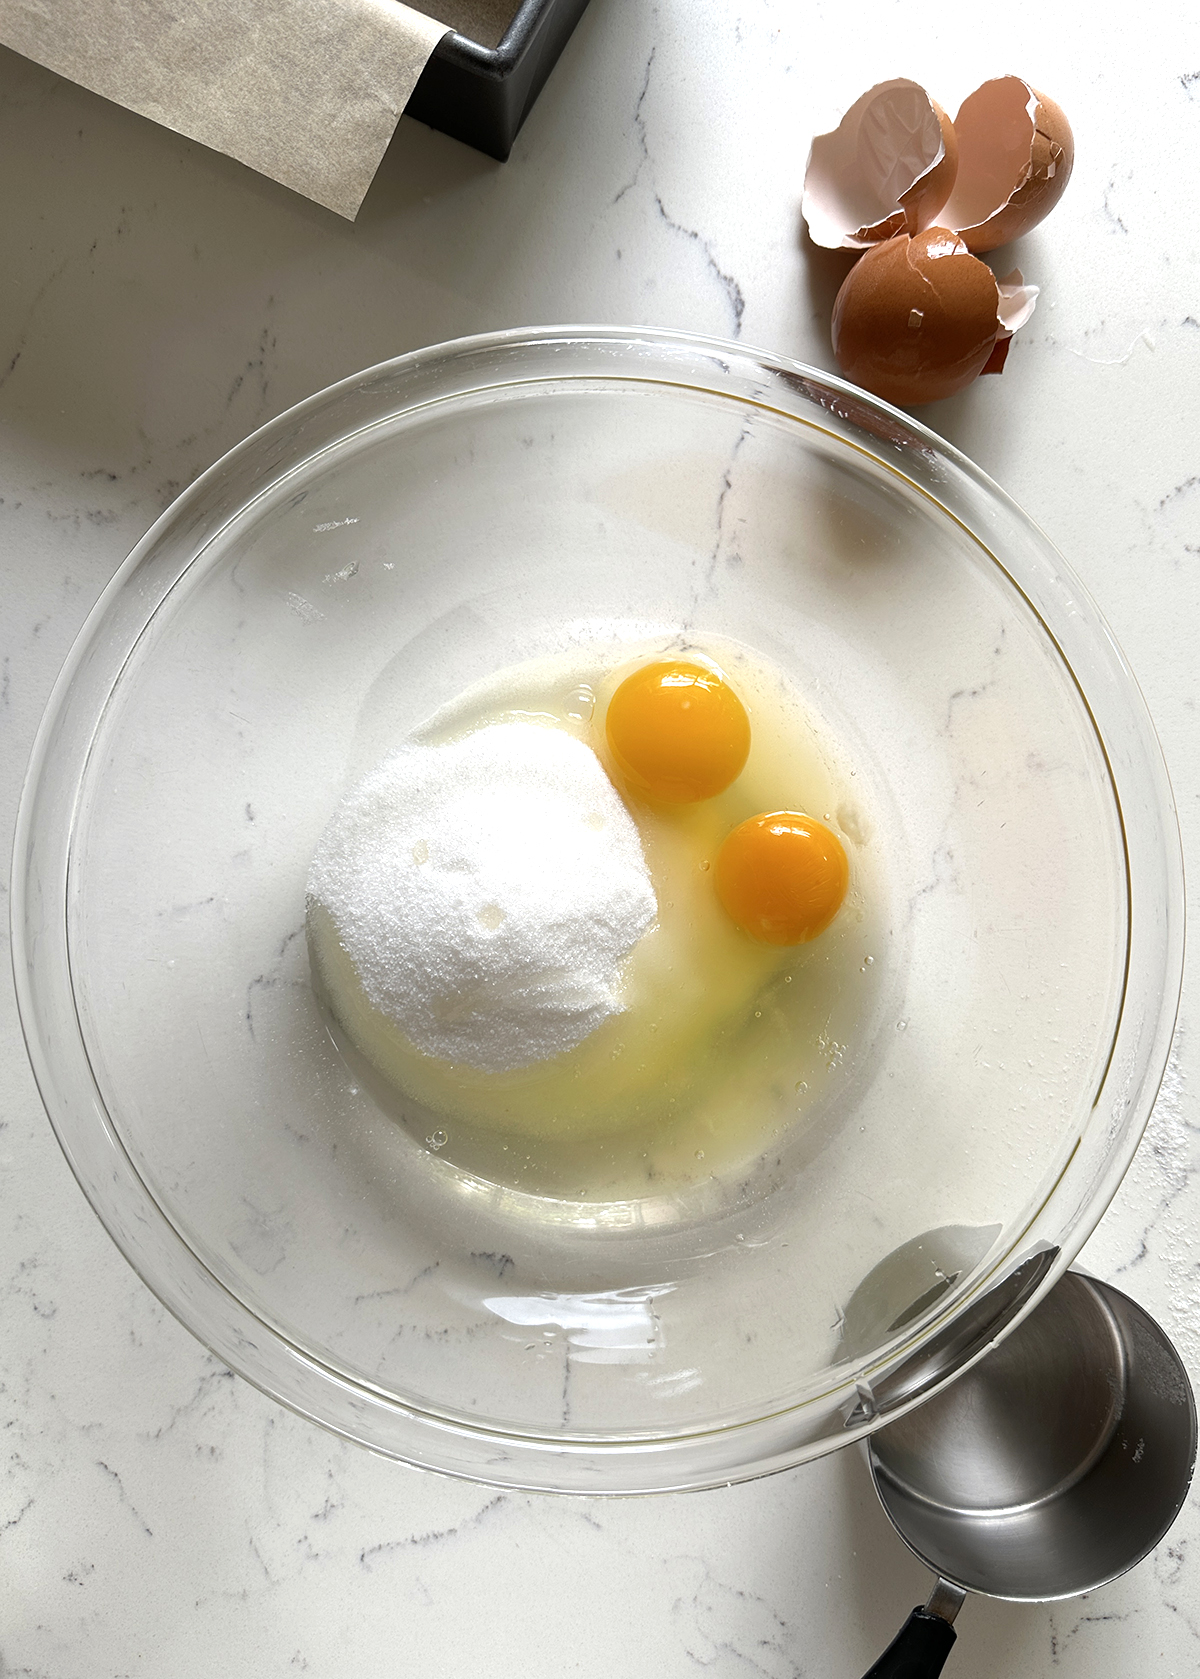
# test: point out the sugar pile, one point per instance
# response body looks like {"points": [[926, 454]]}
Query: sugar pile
{"points": [[487, 892]]}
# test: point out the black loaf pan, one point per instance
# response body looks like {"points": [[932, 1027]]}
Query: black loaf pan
{"points": [[482, 95]]}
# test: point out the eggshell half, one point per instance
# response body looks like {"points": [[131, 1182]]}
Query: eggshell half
{"points": [[1015, 152], [887, 168], [917, 318]]}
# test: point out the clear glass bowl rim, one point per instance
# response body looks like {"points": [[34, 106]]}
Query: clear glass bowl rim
{"points": [[292, 1375]]}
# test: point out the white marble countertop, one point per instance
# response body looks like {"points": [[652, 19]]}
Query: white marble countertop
{"points": [[157, 302]]}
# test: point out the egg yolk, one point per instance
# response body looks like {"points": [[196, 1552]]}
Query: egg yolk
{"points": [[678, 731], [782, 877]]}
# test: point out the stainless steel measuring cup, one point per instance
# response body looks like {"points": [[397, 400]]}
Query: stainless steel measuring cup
{"points": [[1051, 1467]]}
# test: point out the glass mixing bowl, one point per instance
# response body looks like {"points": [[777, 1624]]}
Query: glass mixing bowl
{"points": [[360, 561]]}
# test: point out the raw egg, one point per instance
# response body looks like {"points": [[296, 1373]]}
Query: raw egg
{"points": [[782, 877], [720, 1041], [677, 731]]}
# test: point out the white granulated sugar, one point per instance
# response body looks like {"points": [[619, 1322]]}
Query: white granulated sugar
{"points": [[488, 893]]}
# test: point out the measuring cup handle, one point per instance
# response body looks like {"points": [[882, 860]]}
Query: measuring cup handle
{"points": [[918, 1651]]}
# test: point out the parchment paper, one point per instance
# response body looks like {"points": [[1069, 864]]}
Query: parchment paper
{"points": [[308, 92]]}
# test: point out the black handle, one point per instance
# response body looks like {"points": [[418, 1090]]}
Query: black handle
{"points": [[918, 1651]]}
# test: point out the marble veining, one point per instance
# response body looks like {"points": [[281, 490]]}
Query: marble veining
{"points": [[158, 1517]]}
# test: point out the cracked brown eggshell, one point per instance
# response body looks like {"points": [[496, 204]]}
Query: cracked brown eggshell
{"points": [[887, 168], [1015, 153], [917, 318]]}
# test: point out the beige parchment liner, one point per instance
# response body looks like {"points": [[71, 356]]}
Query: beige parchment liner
{"points": [[307, 92]]}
